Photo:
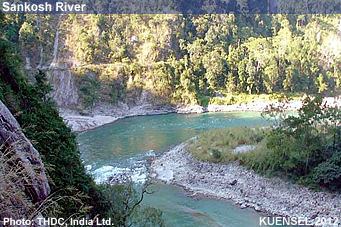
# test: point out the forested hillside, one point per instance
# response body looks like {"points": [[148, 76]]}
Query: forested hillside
{"points": [[176, 59], [74, 193], [186, 59]]}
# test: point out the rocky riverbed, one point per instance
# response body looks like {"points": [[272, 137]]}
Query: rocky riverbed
{"points": [[107, 114], [246, 188], [104, 113]]}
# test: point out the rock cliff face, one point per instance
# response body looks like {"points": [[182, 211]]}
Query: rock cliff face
{"points": [[64, 89], [22, 171], [76, 77]]}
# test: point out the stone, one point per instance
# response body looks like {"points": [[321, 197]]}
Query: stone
{"points": [[23, 154], [243, 206], [270, 195], [233, 182]]}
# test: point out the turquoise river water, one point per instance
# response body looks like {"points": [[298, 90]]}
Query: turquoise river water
{"points": [[124, 147]]}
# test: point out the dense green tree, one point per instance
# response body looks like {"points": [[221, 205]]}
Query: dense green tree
{"points": [[73, 191], [306, 146], [250, 54]]}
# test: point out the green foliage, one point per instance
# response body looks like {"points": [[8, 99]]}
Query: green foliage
{"points": [[328, 173], [306, 146], [89, 88], [188, 58], [13, 199], [218, 145], [41, 122], [73, 192], [203, 100], [260, 160], [123, 202], [230, 98], [303, 147], [297, 142], [216, 154]]}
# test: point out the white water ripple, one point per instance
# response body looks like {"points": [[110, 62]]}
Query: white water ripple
{"points": [[135, 171]]}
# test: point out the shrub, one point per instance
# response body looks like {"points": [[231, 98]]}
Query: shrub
{"points": [[328, 173], [73, 191], [305, 145], [216, 154]]}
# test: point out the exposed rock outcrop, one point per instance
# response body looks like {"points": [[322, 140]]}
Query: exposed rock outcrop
{"points": [[21, 156], [64, 89]]}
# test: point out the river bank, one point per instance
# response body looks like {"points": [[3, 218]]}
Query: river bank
{"points": [[244, 187], [104, 114]]}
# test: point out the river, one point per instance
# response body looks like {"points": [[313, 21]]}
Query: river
{"points": [[124, 147]]}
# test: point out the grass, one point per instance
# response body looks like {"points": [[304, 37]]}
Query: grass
{"points": [[13, 200], [218, 145]]}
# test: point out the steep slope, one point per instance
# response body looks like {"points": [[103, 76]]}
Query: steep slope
{"points": [[23, 182], [102, 64], [181, 59], [73, 192], [64, 89]]}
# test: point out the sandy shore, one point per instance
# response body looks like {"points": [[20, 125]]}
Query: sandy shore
{"points": [[246, 188], [104, 114]]}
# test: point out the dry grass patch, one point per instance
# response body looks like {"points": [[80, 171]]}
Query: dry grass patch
{"points": [[219, 145]]}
